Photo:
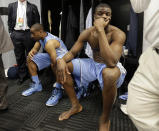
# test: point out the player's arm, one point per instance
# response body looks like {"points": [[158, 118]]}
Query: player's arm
{"points": [[50, 48]]}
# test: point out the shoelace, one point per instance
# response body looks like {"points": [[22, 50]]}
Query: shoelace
{"points": [[30, 89], [32, 85], [54, 93]]}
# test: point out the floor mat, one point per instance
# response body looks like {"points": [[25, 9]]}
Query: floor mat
{"points": [[31, 114]]}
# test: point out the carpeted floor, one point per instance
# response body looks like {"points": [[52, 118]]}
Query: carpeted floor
{"points": [[31, 114]]}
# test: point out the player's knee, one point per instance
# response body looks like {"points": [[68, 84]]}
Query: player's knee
{"points": [[110, 74], [70, 67], [28, 60], [32, 65]]}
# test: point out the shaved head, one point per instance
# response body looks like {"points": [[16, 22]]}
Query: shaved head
{"points": [[37, 27], [102, 5], [37, 31]]}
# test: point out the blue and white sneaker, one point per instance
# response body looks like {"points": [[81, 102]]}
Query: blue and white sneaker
{"points": [[34, 87], [55, 97], [79, 92]]}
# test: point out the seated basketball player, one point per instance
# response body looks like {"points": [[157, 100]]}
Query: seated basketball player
{"points": [[106, 42]]}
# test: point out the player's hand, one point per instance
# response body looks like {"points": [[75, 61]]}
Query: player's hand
{"points": [[31, 54], [101, 23], [62, 71]]}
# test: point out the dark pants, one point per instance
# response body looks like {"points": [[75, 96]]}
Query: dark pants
{"points": [[22, 45], [3, 81]]}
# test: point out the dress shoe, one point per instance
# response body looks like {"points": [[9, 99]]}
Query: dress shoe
{"points": [[3, 103], [21, 80]]}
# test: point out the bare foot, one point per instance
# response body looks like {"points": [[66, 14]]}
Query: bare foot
{"points": [[72, 111], [104, 126]]}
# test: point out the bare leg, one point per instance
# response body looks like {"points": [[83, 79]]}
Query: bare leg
{"points": [[32, 68], [53, 69], [76, 106], [110, 76]]}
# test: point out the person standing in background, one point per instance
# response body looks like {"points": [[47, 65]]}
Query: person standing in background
{"points": [[21, 16], [143, 89], [5, 45]]}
